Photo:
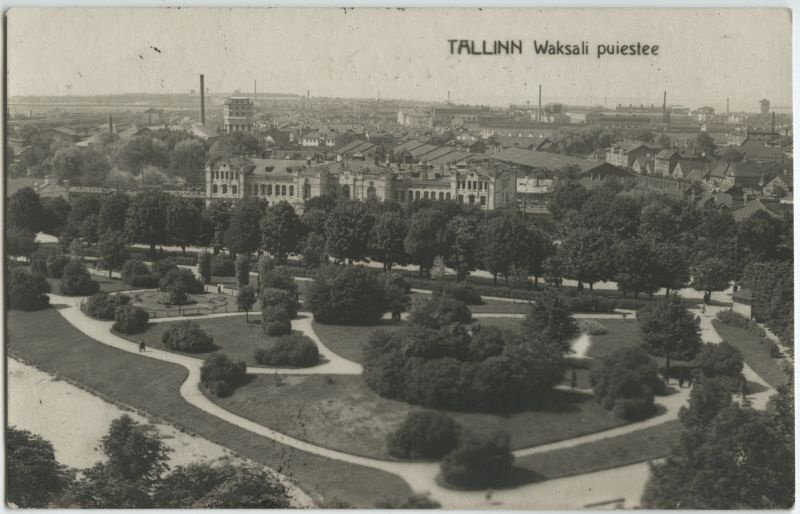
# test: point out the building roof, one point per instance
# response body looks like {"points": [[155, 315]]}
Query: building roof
{"points": [[543, 160], [738, 169], [357, 146], [667, 153], [452, 157], [408, 145], [751, 208], [422, 150]]}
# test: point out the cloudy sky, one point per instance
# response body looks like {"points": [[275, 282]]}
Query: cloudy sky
{"points": [[704, 56]]}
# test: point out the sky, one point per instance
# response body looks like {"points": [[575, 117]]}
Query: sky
{"points": [[705, 56]]}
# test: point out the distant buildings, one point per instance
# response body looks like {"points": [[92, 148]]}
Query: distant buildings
{"points": [[415, 119], [238, 115]]}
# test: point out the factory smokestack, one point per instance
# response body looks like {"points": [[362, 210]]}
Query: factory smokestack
{"points": [[773, 122], [539, 112], [665, 107], [110, 126], [727, 107], [202, 99]]}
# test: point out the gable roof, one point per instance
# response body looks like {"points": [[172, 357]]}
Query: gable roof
{"points": [[749, 209], [544, 160]]}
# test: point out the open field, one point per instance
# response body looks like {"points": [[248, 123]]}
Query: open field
{"points": [[754, 352], [342, 413], [46, 340]]}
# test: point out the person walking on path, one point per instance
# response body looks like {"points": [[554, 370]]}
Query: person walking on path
{"points": [[573, 379], [142, 346]]}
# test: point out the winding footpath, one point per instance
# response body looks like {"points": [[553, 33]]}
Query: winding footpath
{"points": [[570, 492]]}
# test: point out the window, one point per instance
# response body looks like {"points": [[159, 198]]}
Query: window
{"points": [[234, 188], [471, 199], [346, 191], [441, 195], [447, 196], [371, 194], [425, 196], [213, 189], [483, 201], [416, 195], [460, 198], [291, 190], [269, 189], [283, 190], [224, 189], [306, 190], [402, 196]]}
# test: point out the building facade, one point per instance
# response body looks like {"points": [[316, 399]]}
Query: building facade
{"points": [[238, 115], [486, 184]]}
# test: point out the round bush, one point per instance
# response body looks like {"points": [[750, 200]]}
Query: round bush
{"points": [[187, 336], [103, 305], [461, 291], [56, 263], [625, 382], [129, 319], [76, 281], [479, 461], [272, 297], [26, 291], [289, 350], [346, 295], [277, 328], [164, 266], [438, 311], [721, 361], [145, 281], [134, 268], [424, 435], [280, 278], [220, 389], [223, 266], [182, 278], [220, 368]]}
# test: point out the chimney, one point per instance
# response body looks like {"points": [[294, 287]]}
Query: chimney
{"points": [[773, 122], [727, 107], [202, 100], [665, 107], [539, 112], [110, 126]]}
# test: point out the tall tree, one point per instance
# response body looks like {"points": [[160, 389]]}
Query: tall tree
{"points": [[183, 222], [425, 237], [348, 228], [33, 474], [386, 239], [25, 210], [147, 219], [187, 159], [113, 249], [463, 239], [280, 231], [113, 211], [549, 319], [244, 233], [669, 330]]}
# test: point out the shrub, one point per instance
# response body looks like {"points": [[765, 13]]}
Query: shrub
{"points": [[271, 297], [220, 368], [103, 305], [479, 461], [26, 291], [56, 263], [587, 302], [180, 278], [591, 327], [346, 296], [242, 270], [134, 267], [143, 281], [187, 336], [130, 319], [281, 278], [76, 280], [289, 350], [625, 382], [275, 320], [223, 266], [49, 262], [737, 320], [204, 261], [721, 361], [461, 291], [220, 389], [164, 266], [438, 311], [424, 435], [264, 264]]}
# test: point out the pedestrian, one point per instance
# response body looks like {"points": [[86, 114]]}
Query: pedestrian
{"points": [[219, 287], [703, 309], [141, 346], [573, 379], [681, 379], [489, 495], [743, 390], [691, 378]]}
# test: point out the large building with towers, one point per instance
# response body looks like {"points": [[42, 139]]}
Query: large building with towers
{"points": [[238, 115]]}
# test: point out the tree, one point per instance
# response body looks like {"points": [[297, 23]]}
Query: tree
{"points": [[204, 261], [242, 270], [26, 291], [280, 231], [281, 278], [76, 280], [625, 382], [222, 375], [142, 151], [636, 267], [425, 238], [187, 159], [289, 350], [664, 141], [113, 250], [348, 231], [479, 461], [711, 274], [424, 435], [129, 319], [669, 330], [246, 487], [133, 453], [707, 398], [147, 218], [346, 296], [243, 234], [33, 474], [113, 212], [20, 242], [735, 461], [721, 361], [438, 312], [245, 299], [549, 319], [218, 214], [704, 143], [25, 210], [568, 195], [386, 239], [83, 218], [182, 222], [55, 214], [463, 240], [312, 248]]}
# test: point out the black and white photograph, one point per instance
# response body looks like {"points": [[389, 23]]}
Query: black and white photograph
{"points": [[419, 258]]}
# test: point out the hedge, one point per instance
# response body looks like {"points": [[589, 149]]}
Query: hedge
{"points": [[130, 319], [187, 336], [289, 350]]}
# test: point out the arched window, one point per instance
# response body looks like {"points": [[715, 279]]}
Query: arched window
{"points": [[224, 189], [441, 195], [346, 191], [416, 195], [306, 190], [213, 189], [371, 193], [234, 188], [283, 190], [425, 195], [269, 189], [447, 196], [291, 190]]}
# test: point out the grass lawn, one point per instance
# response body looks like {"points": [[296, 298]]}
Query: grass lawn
{"points": [[756, 354], [342, 413], [49, 342], [639, 446], [232, 336], [622, 333], [493, 306], [348, 340]]}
